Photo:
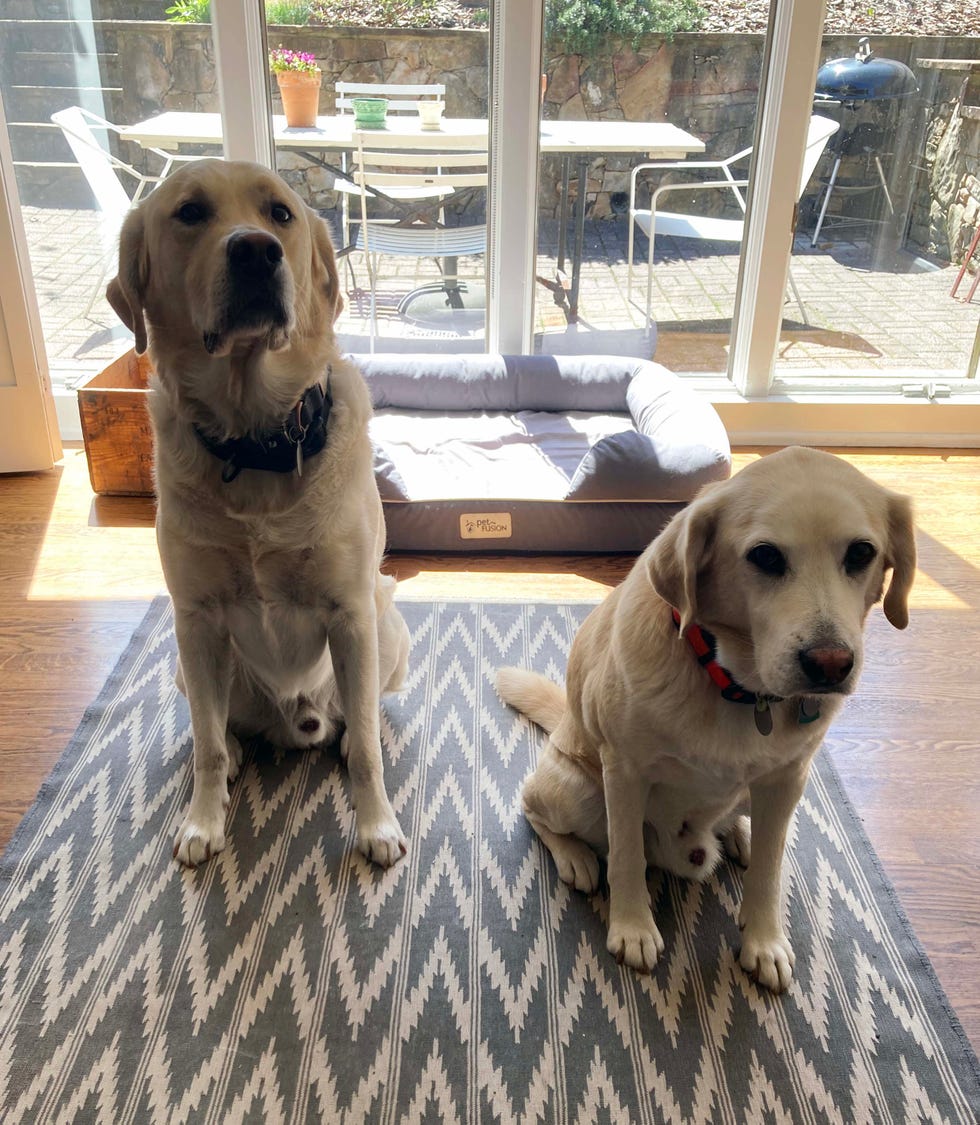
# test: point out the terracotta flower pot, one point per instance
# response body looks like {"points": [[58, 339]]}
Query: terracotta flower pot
{"points": [[300, 93]]}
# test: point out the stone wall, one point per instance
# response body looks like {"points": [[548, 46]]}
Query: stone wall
{"points": [[706, 84]]}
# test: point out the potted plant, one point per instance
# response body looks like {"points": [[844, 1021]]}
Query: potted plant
{"points": [[298, 77]]}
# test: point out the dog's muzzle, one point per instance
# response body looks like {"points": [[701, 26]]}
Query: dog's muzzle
{"points": [[255, 298]]}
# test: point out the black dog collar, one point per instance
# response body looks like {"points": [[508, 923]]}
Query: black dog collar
{"points": [[706, 649], [301, 436]]}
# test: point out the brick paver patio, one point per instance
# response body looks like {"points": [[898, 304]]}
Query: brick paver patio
{"points": [[862, 319]]}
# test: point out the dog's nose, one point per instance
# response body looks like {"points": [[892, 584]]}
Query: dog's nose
{"points": [[828, 665], [254, 253]]}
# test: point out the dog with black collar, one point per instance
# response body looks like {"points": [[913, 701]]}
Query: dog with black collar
{"points": [[708, 677], [269, 522]]}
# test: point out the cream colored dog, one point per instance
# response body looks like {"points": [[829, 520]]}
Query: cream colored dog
{"points": [[652, 751], [269, 522]]}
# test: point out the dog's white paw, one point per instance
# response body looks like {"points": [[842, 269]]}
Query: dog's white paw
{"points": [[381, 841], [235, 756], [635, 943], [737, 840], [577, 865], [768, 959], [202, 835]]}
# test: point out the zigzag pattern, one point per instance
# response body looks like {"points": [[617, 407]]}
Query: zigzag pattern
{"points": [[290, 981]]}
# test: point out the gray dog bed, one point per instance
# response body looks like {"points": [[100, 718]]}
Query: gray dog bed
{"points": [[536, 453]]}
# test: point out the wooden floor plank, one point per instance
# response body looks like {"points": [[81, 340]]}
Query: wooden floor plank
{"points": [[77, 573]]}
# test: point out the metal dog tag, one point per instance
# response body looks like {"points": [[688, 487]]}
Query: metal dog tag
{"points": [[809, 710], [763, 716], [299, 459]]}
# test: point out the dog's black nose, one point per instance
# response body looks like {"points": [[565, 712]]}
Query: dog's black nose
{"points": [[253, 253], [828, 665]]}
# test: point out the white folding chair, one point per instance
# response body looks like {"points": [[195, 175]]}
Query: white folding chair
{"points": [[87, 135], [652, 221], [403, 98], [409, 228]]}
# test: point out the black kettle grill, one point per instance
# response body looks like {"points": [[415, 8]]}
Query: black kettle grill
{"points": [[850, 83]]}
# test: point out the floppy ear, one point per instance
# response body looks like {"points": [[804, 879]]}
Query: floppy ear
{"points": [[679, 554], [325, 264], [127, 289], [901, 558]]}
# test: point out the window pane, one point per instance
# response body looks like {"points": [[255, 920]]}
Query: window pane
{"points": [[425, 241], [887, 219], [705, 84], [76, 175]]}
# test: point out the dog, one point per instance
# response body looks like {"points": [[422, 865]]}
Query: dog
{"points": [[708, 677], [269, 523]]}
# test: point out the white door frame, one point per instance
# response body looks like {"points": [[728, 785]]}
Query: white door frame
{"points": [[28, 421]]}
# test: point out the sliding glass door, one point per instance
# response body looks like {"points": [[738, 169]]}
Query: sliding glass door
{"points": [[795, 332]]}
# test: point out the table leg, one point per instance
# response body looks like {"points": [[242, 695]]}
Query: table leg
{"points": [[563, 210], [577, 252]]}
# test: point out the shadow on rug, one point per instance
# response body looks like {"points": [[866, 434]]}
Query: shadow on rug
{"points": [[290, 981]]}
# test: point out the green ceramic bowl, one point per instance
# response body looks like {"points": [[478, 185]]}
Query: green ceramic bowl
{"points": [[369, 113]]}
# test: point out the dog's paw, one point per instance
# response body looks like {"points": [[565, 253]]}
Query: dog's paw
{"points": [[577, 865], [768, 959], [200, 837], [635, 943], [382, 841], [235, 756], [737, 840]]}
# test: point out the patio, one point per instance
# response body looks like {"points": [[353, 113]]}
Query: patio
{"points": [[862, 319]]}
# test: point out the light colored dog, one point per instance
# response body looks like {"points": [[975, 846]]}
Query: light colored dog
{"points": [[711, 674], [269, 522]]}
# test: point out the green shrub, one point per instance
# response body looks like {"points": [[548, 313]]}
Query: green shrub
{"points": [[276, 11], [190, 11], [585, 27], [287, 11]]}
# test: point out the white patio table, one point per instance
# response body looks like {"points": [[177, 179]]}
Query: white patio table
{"points": [[568, 139]]}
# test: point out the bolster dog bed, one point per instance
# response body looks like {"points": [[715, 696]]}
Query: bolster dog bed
{"points": [[536, 453]]}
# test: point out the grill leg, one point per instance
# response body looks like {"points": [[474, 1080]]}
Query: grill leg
{"points": [[826, 200]]}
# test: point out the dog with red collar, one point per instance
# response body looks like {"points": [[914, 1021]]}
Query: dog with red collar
{"points": [[709, 678]]}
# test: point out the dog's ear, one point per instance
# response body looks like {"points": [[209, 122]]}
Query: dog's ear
{"points": [[680, 553], [900, 557], [325, 271], [127, 289]]}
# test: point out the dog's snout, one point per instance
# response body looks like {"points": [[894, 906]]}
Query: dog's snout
{"points": [[254, 253], [827, 665]]}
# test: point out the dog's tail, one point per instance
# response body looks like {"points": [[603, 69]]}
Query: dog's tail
{"points": [[533, 695]]}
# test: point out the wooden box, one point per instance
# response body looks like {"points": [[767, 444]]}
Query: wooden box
{"points": [[116, 427]]}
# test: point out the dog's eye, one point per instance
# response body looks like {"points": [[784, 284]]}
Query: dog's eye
{"points": [[190, 214], [769, 559], [281, 213], [860, 554]]}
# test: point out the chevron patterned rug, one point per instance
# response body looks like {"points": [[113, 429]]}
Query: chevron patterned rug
{"points": [[289, 981]]}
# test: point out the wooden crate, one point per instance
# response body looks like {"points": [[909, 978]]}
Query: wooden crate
{"points": [[116, 427]]}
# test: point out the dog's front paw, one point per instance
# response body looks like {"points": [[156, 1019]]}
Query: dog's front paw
{"points": [[635, 943], [768, 959], [381, 841], [203, 833], [201, 836]]}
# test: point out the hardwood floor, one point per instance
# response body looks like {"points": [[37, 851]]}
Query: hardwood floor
{"points": [[77, 572]]}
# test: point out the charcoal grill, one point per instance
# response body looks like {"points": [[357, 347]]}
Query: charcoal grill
{"points": [[850, 83]]}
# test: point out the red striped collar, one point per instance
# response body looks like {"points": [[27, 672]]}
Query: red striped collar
{"points": [[706, 649]]}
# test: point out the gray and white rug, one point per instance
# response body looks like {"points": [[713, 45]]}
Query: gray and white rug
{"points": [[289, 981]]}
